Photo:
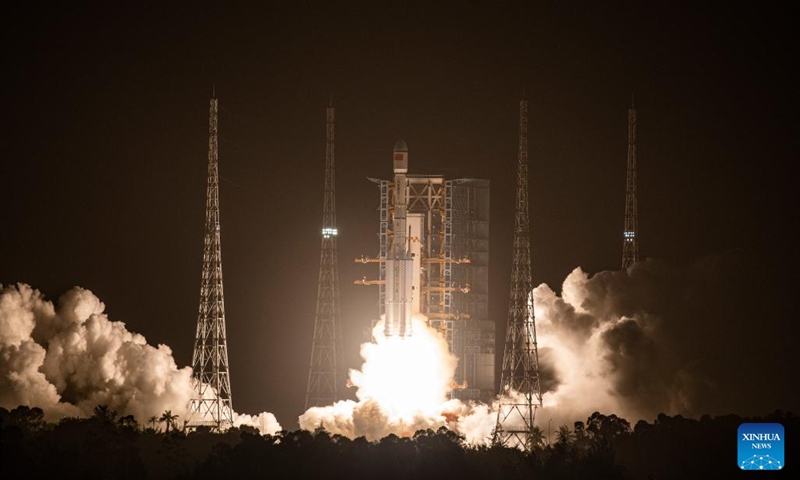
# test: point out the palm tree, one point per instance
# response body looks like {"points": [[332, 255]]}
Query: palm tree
{"points": [[152, 420], [104, 413], [536, 437], [168, 418], [564, 435]]}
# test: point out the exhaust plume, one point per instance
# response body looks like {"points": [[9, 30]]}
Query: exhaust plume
{"points": [[634, 343], [401, 388], [69, 358], [649, 340]]}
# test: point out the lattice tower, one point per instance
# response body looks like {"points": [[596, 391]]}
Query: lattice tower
{"points": [[630, 242], [324, 376], [520, 393], [211, 404]]}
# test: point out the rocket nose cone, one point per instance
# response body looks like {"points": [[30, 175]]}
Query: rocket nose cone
{"points": [[400, 146]]}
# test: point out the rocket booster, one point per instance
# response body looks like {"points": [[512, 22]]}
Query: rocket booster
{"points": [[399, 260]]}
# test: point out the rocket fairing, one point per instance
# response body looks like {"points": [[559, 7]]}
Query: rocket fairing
{"points": [[399, 260]]}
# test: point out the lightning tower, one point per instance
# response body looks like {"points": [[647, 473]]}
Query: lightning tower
{"points": [[519, 386], [323, 374], [630, 246], [211, 403]]}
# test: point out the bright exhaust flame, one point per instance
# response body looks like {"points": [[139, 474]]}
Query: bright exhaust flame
{"points": [[403, 387], [406, 376]]}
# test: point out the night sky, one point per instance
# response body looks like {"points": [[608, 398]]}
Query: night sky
{"points": [[105, 138]]}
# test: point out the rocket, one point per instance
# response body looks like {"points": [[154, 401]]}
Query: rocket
{"points": [[399, 259]]}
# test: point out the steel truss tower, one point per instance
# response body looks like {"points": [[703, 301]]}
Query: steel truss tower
{"points": [[323, 374], [211, 403], [520, 392], [630, 245]]}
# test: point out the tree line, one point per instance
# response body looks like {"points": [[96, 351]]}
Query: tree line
{"points": [[106, 446]]}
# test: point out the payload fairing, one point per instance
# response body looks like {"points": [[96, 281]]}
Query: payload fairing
{"points": [[402, 262]]}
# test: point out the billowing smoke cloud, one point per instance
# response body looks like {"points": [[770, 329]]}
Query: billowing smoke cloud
{"points": [[651, 339], [658, 339], [68, 359], [264, 422]]}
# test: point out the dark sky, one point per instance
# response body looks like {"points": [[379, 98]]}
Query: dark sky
{"points": [[105, 128]]}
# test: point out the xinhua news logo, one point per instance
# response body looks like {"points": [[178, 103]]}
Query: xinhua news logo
{"points": [[761, 446]]}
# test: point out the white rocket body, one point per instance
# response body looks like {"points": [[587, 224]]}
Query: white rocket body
{"points": [[400, 259]]}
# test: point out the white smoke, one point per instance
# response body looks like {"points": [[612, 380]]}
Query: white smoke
{"points": [[403, 387], [264, 422], [68, 359], [646, 340], [634, 343], [604, 347]]}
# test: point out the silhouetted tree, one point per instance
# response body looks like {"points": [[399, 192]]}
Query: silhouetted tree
{"points": [[536, 438], [153, 421], [105, 414], [168, 418], [606, 428], [603, 448], [128, 421], [564, 435]]}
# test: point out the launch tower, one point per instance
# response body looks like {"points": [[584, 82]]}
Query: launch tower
{"points": [[434, 245], [520, 392], [324, 373], [211, 403], [630, 245]]}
